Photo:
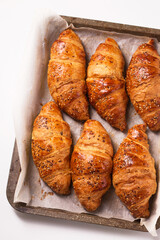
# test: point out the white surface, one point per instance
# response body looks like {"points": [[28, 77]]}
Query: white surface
{"points": [[15, 17]]}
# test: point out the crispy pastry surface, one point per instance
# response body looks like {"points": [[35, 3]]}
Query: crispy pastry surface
{"points": [[143, 84], [91, 165], [66, 75], [106, 85], [134, 175], [51, 143]]}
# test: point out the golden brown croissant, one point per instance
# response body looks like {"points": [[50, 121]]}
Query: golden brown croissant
{"points": [[66, 75], [143, 84], [51, 143], [134, 175], [106, 85], [91, 165]]}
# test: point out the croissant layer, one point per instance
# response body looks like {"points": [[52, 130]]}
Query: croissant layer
{"points": [[91, 165], [106, 85], [51, 143], [134, 175], [143, 84], [66, 75]]}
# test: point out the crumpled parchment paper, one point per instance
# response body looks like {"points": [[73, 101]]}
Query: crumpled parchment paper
{"points": [[33, 92]]}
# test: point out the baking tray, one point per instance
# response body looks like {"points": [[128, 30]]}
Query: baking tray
{"points": [[15, 164]]}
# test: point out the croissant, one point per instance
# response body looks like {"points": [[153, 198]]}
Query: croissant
{"points": [[51, 143], [106, 85], [66, 75], [134, 175], [91, 165], [143, 84]]}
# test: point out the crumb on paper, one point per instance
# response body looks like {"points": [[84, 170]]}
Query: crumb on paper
{"points": [[39, 181], [51, 193], [32, 197], [45, 194]]}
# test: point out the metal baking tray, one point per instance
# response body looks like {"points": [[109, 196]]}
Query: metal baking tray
{"points": [[15, 165]]}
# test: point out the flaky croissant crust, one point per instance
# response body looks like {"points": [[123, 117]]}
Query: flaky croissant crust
{"points": [[66, 75], [91, 165], [134, 175], [143, 84], [106, 84], [51, 143]]}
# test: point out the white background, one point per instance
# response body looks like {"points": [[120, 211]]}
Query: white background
{"points": [[14, 21]]}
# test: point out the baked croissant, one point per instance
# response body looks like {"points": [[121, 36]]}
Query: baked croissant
{"points": [[143, 84], [66, 75], [91, 165], [51, 143], [134, 175], [106, 85]]}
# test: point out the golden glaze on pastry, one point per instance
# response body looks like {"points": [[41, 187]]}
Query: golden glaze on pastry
{"points": [[91, 165], [106, 85], [51, 143], [143, 84], [66, 75], [134, 175]]}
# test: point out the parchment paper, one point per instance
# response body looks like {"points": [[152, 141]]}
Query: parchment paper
{"points": [[33, 93]]}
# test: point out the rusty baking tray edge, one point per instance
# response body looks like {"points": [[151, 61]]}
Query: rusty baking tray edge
{"points": [[114, 27], [15, 165]]}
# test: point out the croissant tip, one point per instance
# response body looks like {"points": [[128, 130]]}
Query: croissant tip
{"points": [[151, 42], [91, 205], [139, 127], [82, 119], [67, 30], [138, 215], [120, 126], [123, 127], [143, 127], [50, 106], [111, 40], [91, 122]]}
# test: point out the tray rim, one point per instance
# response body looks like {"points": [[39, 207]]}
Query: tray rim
{"points": [[111, 26], [15, 165]]}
